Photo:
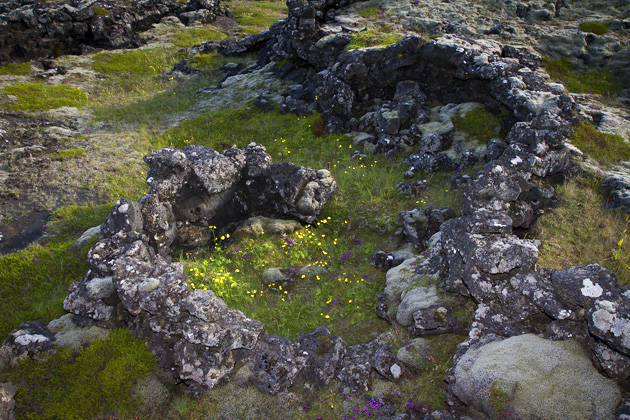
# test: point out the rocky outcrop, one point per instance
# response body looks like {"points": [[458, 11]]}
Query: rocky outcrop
{"points": [[33, 29], [7, 403]]}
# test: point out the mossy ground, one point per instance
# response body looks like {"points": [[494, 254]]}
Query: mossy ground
{"points": [[594, 27], [600, 82], [605, 148], [372, 38]]}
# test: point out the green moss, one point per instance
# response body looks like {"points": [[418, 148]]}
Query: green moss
{"points": [[195, 36], [34, 281], [371, 38], [13, 69], [603, 147], [478, 123], [36, 96], [597, 28], [599, 82], [370, 12], [100, 11], [98, 381], [69, 154]]}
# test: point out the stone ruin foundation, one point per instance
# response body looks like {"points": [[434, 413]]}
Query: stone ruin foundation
{"points": [[382, 96]]}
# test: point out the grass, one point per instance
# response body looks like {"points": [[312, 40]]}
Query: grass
{"points": [[69, 154], [605, 148], [594, 27], [600, 235], [15, 69], [257, 16], [599, 82], [40, 97], [35, 280], [372, 38], [478, 123], [98, 381], [195, 36], [132, 75]]}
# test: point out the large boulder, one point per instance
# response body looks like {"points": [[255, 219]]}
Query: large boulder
{"points": [[528, 377]]}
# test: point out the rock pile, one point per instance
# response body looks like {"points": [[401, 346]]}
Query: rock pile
{"points": [[33, 29], [197, 193]]}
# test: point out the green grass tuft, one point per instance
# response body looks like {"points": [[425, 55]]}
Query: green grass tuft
{"points": [[13, 69], [602, 236], [69, 154], [39, 97], [599, 82], [97, 382], [195, 36], [100, 11], [371, 38], [478, 123], [370, 12], [603, 147], [597, 28]]}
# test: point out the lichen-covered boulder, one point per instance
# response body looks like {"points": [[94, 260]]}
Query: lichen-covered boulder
{"points": [[529, 377], [30, 339]]}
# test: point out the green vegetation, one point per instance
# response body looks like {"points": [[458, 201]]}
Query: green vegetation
{"points": [[98, 381], [69, 154], [14, 69], [603, 147], [599, 82], [370, 12], [35, 280], [600, 235], [195, 36], [39, 97], [132, 75], [478, 123], [372, 38], [597, 28], [256, 16], [100, 11]]}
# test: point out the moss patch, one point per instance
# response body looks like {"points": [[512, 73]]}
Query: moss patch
{"points": [[603, 147], [599, 82], [256, 16], [13, 69], [98, 381], [372, 38], [195, 36], [69, 154], [370, 12], [595, 27], [39, 97], [478, 123], [598, 235]]}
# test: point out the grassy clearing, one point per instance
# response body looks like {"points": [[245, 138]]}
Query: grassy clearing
{"points": [[478, 123], [98, 381], [594, 27], [257, 16], [372, 38], [35, 280], [603, 147], [14, 69], [599, 82], [360, 219], [195, 36], [599, 236], [40, 97]]}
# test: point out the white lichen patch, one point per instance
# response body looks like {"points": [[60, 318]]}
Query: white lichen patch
{"points": [[26, 339], [590, 289]]}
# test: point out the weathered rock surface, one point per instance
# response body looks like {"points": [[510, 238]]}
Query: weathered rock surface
{"points": [[539, 379], [7, 403]]}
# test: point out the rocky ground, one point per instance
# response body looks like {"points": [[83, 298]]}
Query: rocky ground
{"points": [[388, 100]]}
